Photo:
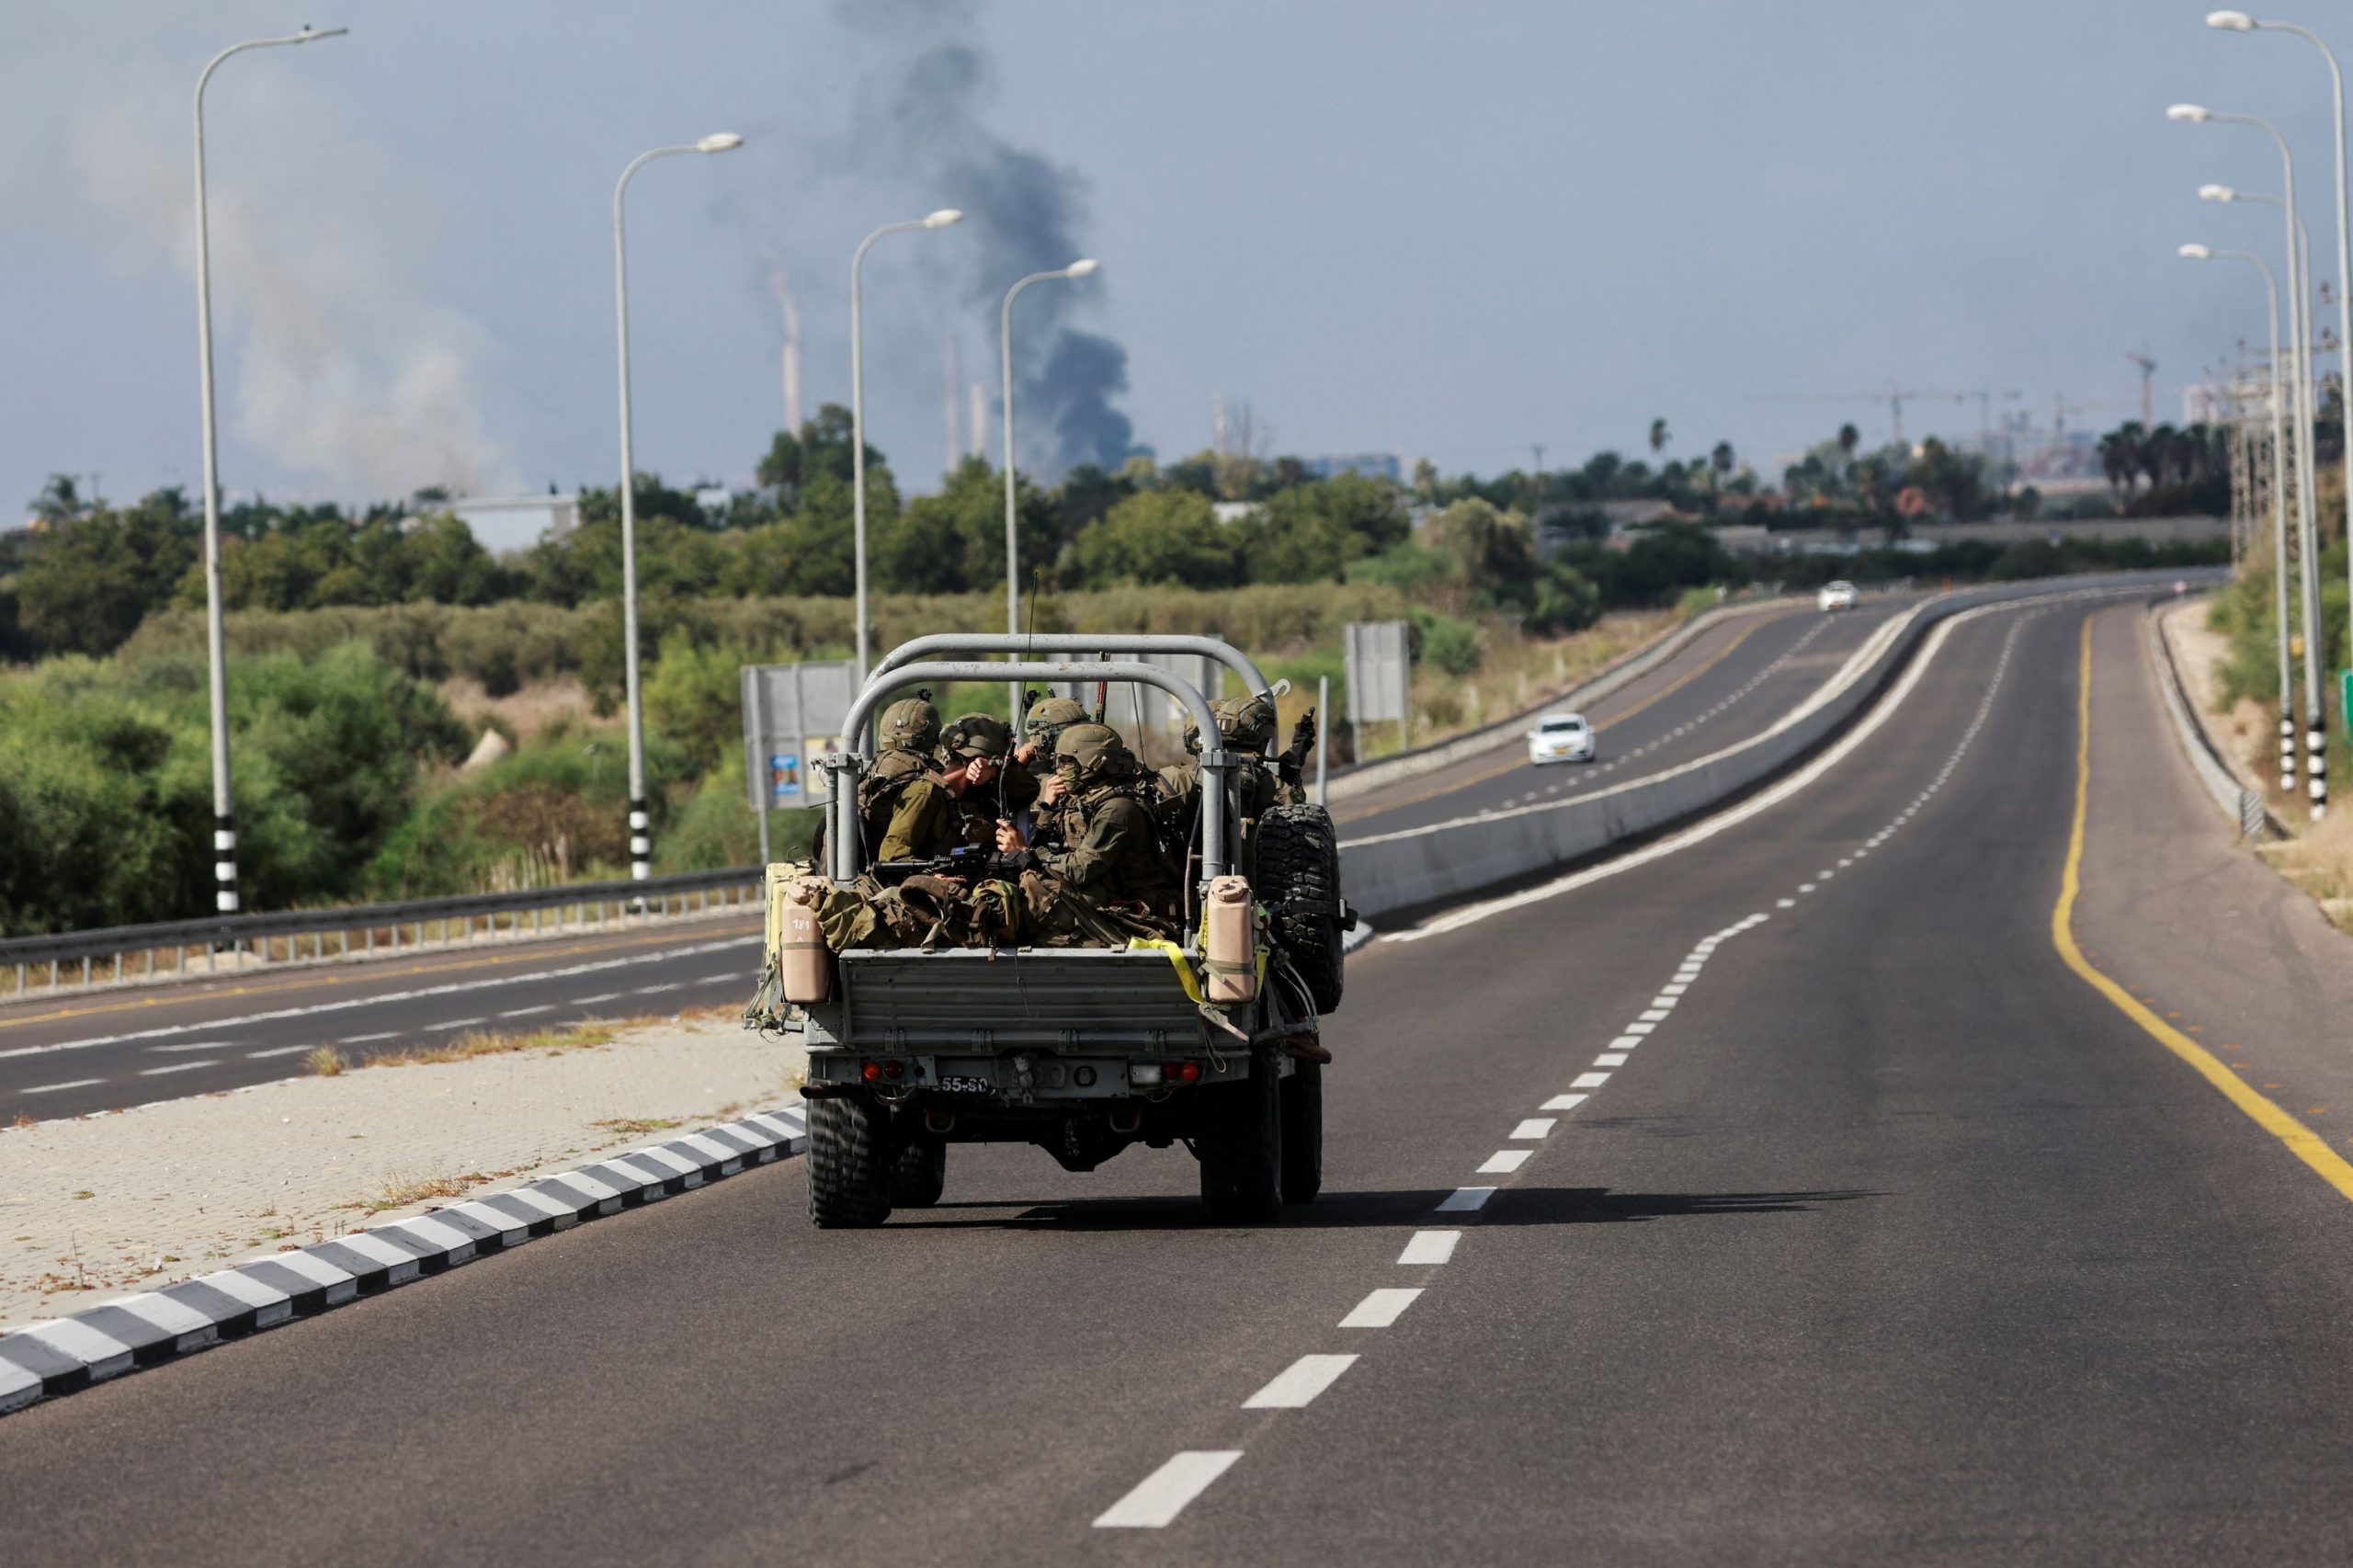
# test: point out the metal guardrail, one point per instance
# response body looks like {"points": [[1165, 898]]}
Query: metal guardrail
{"points": [[216, 943], [2243, 806]]}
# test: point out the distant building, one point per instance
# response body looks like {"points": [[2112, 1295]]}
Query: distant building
{"points": [[502, 524], [1370, 465], [1231, 511]]}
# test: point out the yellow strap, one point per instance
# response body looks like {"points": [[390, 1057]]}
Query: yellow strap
{"points": [[1176, 956]]}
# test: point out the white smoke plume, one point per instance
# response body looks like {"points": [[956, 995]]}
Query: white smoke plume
{"points": [[328, 356]]}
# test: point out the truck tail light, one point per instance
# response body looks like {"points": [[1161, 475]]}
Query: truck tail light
{"points": [[1185, 1072]]}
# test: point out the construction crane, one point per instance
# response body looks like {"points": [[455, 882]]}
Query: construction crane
{"points": [[2148, 376], [1896, 396]]}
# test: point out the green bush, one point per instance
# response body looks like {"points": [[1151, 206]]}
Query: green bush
{"points": [[1445, 641]]}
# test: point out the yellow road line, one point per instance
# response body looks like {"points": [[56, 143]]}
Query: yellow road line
{"points": [[1513, 763], [389, 968], [2301, 1141]]}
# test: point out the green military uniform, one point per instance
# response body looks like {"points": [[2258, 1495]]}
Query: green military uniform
{"points": [[902, 809], [974, 814], [1057, 825], [1114, 857]]}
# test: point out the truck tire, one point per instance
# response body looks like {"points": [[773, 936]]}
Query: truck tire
{"points": [[919, 1174], [1242, 1149], [1299, 881], [849, 1178], [1302, 1095]]}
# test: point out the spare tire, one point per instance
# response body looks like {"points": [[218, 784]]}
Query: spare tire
{"points": [[1299, 881]]}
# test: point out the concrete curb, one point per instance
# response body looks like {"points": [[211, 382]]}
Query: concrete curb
{"points": [[2244, 807], [1364, 778], [1422, 867], [63, 1355]]}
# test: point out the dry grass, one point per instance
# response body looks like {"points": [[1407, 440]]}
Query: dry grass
{"points": [[2320, 863], [528, 712], [490, 1042], [403, 1191], [629, 1129], [325, 1060]]}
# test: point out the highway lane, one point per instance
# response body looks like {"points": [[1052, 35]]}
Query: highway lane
{"points": [[73, 1056], [1888, 1240], [104, 1050], [1730, 683]]}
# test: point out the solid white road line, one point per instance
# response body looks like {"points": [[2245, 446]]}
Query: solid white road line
{"points": [[1466, 1199], [1162, 1495], [1562, 1102], [1430, 1246], [54, 1088], [1503, 1162], [1535, 1127], [1382, 1307], [1296, 1387]]}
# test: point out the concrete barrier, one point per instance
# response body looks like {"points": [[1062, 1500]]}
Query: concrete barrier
{"points": [[1385, 873], [2243, 806]]}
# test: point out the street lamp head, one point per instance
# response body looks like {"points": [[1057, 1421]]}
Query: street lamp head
{"points": [[2192, 113], [1080, 267], [312, 35], [2196, 253], [720, 142], [2217, 193], [943, 217], [2230, 21]]}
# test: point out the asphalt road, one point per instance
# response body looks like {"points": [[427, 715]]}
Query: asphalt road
{"points": [[1888, 1240], [1732, 682], [71, 1056], [107, 1049]]}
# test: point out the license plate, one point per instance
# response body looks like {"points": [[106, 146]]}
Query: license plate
{"points": [[956, 1084]]}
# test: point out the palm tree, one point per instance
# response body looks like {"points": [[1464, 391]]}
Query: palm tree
{"points": [[59, 499], [1849, 439], [1658, 434]]}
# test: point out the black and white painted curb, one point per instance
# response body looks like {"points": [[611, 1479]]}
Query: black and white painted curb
{"points": [[63, 1355]]}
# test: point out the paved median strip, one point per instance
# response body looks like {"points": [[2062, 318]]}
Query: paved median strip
{"points": [[63, 1355]]}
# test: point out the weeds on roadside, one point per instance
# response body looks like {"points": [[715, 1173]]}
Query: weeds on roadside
{"points": [[325, 1060]]}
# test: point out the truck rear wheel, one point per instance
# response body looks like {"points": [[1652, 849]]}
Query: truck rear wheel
{"points": [[919, 1174], [1299, 879], [849, 1177], [1242, 1149], [1302, 1095]]}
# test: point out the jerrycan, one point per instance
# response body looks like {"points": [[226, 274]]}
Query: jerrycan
{"points": [[1230, 944], [804, 965]]}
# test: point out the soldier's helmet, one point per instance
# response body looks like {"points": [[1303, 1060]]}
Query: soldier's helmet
{"points": [[1093, 753], [1246, 722], [975, 735], [911, 723], [1045, 722]]}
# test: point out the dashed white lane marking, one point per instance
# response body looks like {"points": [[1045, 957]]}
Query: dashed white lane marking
{"points": [[1655, 1014], [277, 1050], [455, 1024], [1610, 1059], [1625, 1042], [55, 1088], [1466, 1201], [1296, 1385], [1162, 1495], [1806, 887], [1430, 1246], [179, 1067], [1785, 903], [1638, 1030], [365, 1038], [667, 985], [1562, 1102], [1536, 1127], [1503, 1162], [527, 1012], [1383, 1307], [198, 1045], [600, 996], [349, 1003], [1678, 989], [1588, 1080]]}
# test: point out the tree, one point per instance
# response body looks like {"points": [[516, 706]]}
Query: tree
{"points": [[1849, 439], [91, 580], [1311, 532], [954, 541], [1161, 536], [1658, 435], [60, 500], [1495, 550]]}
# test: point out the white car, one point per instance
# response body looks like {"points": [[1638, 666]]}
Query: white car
{"points": [[1837, 596], [1561, 737]]}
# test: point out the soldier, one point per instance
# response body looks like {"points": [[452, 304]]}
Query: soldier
{"points": [[1043, 726], [1115, 858], [976, 769], [903, 808]]}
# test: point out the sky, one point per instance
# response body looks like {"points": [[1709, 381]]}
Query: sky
{"points": [[1444, 231]]}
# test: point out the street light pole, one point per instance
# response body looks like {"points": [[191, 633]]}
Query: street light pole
{"points": [[225, 819], [641, 820], [939, 219], [2239, 21], [2278, 506], [1079, 269], [2307, 528]]}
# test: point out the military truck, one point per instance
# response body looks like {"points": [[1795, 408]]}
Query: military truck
{"points": [[1081, 1051]]}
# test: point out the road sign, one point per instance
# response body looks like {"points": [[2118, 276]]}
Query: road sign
{"points": [[2345, 685], [1377, 655], [793, 715]]}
